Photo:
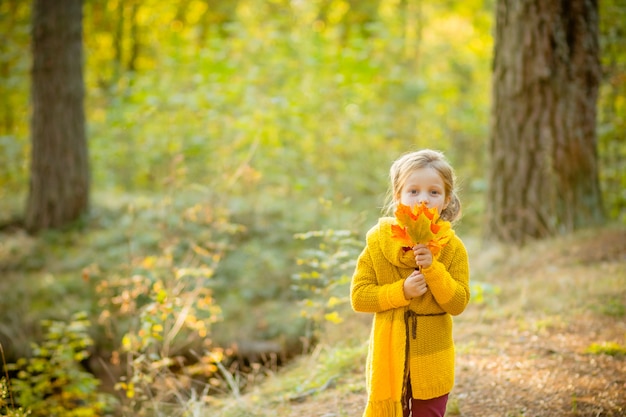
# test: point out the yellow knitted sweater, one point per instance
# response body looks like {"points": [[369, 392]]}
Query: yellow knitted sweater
{"points": [[377, 287]]}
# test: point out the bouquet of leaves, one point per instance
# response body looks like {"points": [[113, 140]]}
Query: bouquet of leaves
{"points": [[421, 225]]}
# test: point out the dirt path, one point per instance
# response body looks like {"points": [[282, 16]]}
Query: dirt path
{"points": [[512, 371]]}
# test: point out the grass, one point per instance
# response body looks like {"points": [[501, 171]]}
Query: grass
{"points": [[607, 348], [337, 369]]}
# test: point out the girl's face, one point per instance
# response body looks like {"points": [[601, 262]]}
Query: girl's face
{"points": [[424, 185]]}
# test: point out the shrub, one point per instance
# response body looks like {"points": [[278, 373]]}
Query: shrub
{"points": [[327, 268], [53, 382]]}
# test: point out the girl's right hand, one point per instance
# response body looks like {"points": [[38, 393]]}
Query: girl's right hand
{"points": [[415, 285]]}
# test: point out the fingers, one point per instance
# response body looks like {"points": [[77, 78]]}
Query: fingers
{"points": [[422, 287], [415, 285], [421, 250], [423, 255], [417, 276]]}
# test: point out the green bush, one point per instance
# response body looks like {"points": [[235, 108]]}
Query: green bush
{"points": [[326, 269], [53, 382], [7, 406], [7, 403]]}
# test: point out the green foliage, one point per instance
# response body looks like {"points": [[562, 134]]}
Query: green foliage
{"points": [[332, 90], [7, 403], [53, 381], [158, 310], [289, 88], [7, 408], [148, 271], [327, 268], [14, 93], [612, 107], [176, 315]]}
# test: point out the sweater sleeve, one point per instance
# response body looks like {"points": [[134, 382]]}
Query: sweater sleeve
{"points": [[450, 286], [367, 295]]}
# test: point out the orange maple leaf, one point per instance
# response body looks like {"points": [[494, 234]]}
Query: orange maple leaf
{"points": [[421, 225], [400, 233]]}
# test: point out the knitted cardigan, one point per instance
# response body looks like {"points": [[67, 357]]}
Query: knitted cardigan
{"points": [[425, 321]]}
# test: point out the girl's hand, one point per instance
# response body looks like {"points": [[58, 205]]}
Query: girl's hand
{"points": [[423, 256], [415, 285]]}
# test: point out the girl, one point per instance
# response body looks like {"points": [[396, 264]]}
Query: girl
{"points": [[410, 363]]}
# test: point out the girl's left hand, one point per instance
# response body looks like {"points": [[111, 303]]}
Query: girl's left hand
{"points": [[423, 256]]}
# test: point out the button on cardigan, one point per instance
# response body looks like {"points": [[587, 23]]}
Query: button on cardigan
{"points": [[419, 343]]}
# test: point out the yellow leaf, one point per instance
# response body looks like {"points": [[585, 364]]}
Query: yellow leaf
{"points": [[216, 356], [161, 296], [126, 342], [201, 251], [149, 262], [333, 317]]}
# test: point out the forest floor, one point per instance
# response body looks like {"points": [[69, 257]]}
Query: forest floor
{"points": [[545, 335]]}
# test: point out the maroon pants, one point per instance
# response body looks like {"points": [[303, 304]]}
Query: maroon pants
{"points": [[434, 407]]}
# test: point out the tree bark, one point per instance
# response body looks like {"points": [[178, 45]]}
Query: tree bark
{"points": [[543, 177], [59, 183]]}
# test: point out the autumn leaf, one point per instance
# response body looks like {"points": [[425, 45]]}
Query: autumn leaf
{"points": [[421, 225], [400, 233], [333, 317]]}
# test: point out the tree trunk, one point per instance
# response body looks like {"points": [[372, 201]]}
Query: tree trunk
{"points": [[59, 183], [543, 177]]}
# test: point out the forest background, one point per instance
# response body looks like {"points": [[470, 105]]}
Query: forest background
{"points": [[239, 150]]}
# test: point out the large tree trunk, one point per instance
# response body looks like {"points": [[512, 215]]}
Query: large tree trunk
{"points": [[59, 183], [543, 177]]}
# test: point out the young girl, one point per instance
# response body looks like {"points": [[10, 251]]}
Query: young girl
{"points": [[410, 363]]}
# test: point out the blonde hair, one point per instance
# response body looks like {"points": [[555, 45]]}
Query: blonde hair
{"points": [[402, 168]]}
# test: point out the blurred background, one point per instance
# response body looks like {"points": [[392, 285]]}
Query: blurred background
{"points": [[238, 151]]}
